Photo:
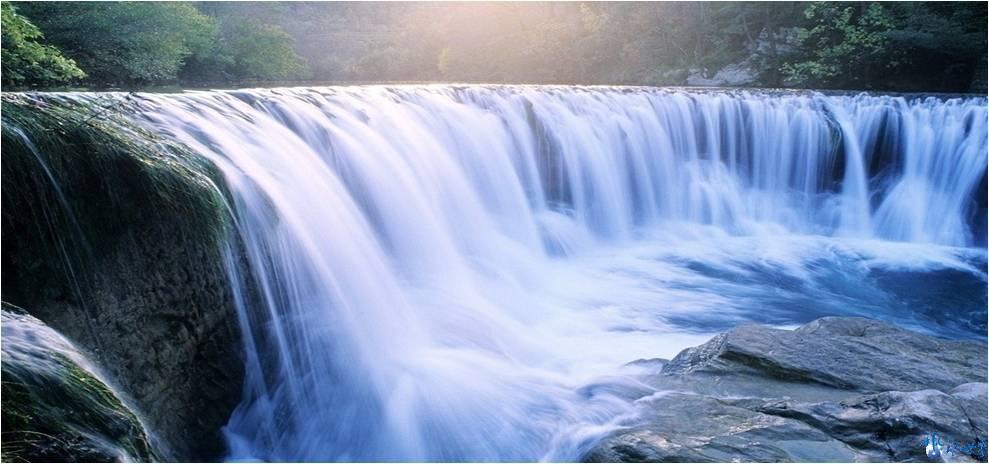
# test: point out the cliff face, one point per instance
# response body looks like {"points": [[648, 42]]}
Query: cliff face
{"points": [[113, 238]]}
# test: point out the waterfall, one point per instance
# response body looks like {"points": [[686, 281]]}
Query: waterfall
{"points": [[459, 273]]}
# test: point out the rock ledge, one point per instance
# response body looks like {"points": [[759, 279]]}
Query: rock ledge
{"points": [[835, 389]]}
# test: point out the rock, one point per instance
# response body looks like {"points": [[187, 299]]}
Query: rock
{"points": [[655, 364], [55, 408], [748, 72], [676, 76], [836, 389], [114, 241], [847, 353], [686, 427], [738, 74], [892, 424]]}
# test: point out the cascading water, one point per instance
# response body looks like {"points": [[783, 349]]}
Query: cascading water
{"points": [[459, 273]]}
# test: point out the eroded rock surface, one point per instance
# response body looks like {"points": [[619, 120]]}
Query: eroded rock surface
{"points": [[836, 389]]}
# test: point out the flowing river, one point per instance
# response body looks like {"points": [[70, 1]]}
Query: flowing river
{"points": [[465, 272]]}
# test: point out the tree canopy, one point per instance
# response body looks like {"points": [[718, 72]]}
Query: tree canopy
{"points": [[28, 61], [138, 43], [866, 45], [121, 43], [246, 47]]}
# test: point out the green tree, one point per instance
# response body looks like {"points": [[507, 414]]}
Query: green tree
{"points": [[845, 45], [937, 45], [125, 42], [26, 61], [757, 29], [247, 49], [262, 51], [926, 46]]}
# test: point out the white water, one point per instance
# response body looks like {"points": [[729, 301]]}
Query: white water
{"points": [[441, 272]]}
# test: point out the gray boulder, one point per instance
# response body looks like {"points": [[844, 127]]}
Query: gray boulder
{"points": [[688, 427], [839, 353], [894, 424], [836, 389], [739, 74]]}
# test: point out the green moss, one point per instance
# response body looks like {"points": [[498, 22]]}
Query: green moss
{"points": [[76, 137], [79, 177], [55, 410]]}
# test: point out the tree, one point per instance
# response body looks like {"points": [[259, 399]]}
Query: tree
{"points": [[893, 45], [26, 61], [937, 45], [844, 46], [247, 49], [758, 29], [125, 42]]}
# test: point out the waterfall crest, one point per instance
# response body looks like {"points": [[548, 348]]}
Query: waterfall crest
{"points": [[425, 277]]}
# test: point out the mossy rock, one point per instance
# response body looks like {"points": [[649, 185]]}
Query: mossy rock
{"points": [[116, 236], [55, 409], [89, 173]]}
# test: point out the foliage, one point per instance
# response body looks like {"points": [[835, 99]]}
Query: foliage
{"points": [[262, 51], [906, 45], [125, 43], [937, 44], [894, 45], [28, 62], [846, 42], [247, 48]]}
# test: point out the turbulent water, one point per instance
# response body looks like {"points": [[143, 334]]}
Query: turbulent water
{"points": [[459, 273]]}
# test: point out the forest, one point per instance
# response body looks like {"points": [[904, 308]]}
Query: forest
{"points": [[904, 46]]}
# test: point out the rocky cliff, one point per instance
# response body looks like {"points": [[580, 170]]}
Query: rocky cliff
{"points": [[112, 237]]}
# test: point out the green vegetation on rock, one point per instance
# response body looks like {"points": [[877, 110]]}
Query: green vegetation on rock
{"points": [[861, 45], [54, 409], [109, 227], [840, 43], [73, 144]]}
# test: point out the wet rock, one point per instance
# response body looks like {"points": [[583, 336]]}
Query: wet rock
{"points": [[845, 353], [893, 425], [687, 427], [55, 408], [115, 242], [836, 389]]}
